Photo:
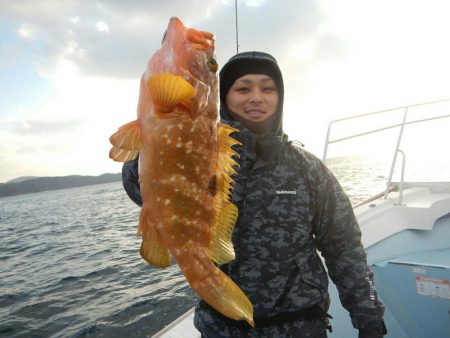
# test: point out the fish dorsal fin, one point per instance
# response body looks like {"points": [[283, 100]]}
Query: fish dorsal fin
{"points": [[225, 212], [126, 142], [168, 90], [153, 251]]}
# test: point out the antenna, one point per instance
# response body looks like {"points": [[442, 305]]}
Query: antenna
{"points": [[237, 30]]}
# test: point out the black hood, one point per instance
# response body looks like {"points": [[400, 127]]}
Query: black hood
{"points": [[252, 63]]}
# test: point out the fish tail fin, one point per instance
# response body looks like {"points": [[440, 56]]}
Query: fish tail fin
{"points": [[217, 289], [126, 142]]}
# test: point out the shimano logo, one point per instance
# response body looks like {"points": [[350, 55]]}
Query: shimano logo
{"points": [[286, 192]]}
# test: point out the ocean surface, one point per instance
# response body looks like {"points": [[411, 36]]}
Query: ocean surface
{"points": [[70, 264]]}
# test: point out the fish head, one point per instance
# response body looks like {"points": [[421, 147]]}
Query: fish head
{"points": [[190, 54]]}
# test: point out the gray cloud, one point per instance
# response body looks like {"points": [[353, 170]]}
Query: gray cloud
{"points": [[136, 28], [69, 29], [44, 126]]}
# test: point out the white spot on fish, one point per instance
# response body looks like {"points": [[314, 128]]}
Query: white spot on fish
{"points": [[200, 269], [167, 202], [180, 126], [188, 147]]}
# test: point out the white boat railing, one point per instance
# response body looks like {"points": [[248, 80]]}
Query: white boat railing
{"points": [[401, 127]]}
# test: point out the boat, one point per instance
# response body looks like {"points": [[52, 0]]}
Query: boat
{"points": [[406, 234]]}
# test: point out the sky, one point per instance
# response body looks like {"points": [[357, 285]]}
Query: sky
{"points": [[70, 70]]}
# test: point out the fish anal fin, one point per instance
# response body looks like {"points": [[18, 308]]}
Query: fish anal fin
{"points": [[221, 246], [153, 251], [168, 90]]}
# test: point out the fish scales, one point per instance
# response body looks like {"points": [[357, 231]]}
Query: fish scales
{"points": [[185, 163], [176, 189]]}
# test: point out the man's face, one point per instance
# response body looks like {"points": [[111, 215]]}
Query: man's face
{"points": [[253, 100]]}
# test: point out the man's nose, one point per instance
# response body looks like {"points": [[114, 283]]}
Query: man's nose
{"points": [[255, 96]]}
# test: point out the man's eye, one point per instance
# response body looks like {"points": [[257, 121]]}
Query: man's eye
{"points": [[242, 89], [268, 89]]}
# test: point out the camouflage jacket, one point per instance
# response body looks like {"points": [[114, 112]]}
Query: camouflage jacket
{"points": [[290, 207]]}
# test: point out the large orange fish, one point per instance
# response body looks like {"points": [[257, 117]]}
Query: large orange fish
{"points": [[185, 162]]}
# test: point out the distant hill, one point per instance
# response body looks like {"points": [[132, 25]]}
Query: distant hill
{"points": [[26, 185], [21, 179]]}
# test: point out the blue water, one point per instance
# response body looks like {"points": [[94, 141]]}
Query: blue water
{"points": [[70, 264], [70, 267]]}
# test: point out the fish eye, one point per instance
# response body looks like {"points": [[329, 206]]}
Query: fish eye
{"points": [[213, 65]]}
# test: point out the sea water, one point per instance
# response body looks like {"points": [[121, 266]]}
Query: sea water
{"points": [[70, 264], [70, 267]]}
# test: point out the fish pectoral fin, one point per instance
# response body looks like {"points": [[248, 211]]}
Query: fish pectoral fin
{"points": [[122, 155], [126, 142], [226, 213], [153, 251], [168, 90]]}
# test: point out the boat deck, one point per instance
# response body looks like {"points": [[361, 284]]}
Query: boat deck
{"points": [[182, 327], [412, 274]]}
